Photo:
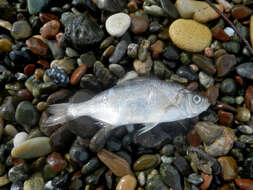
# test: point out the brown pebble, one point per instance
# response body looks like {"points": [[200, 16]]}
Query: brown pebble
{"points": [[108, 51], [209, 52], [58, 38], [249, 98], [127, 182], [58, 96], [132, 6], [77, 74], [229, 167], [5, 45], [119, 166], [239, 80], [244, 184], [219, 34], [29, 69], [50, 29], [225, 118], [207, 181], [225, 64], [157, 48], [46, 17], [193, 138], [212, 93], [37, 46], [241, 11], [139, 25], [192, 86], [56, 161], [43, 63], [221, 105]]}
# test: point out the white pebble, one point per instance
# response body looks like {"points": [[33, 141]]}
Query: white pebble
{"points": [[117, 24], [20, 138], [229, 31]]}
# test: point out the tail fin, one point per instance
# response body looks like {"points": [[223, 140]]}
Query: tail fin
{"points": [[58, 114]]}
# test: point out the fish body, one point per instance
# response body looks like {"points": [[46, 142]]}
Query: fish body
{"points": [[141, 100]]}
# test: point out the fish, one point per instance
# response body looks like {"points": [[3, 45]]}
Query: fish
{"points": [[143, 100]]}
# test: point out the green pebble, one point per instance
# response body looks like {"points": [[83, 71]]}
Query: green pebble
{"points": [[239, 100]]}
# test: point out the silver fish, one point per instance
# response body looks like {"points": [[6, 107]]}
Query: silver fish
{"points": [[145, 101]]}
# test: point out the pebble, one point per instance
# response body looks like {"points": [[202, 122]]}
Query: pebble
{"points": [[143, 67], [247, 139], [117, 24], [77, 74], [243, 114], [190, 35], [46, 17], [229, 31], [5, 45], [198, 10], [219, 34], [204, 63], [154, 10], [37, 46], [127, 182], [36, 6], [232, 46], [132, 50], [10, 130], [195, 179], [229, 167], [245, 70], [249, 98], [25, 108], [139, 24], [205, 79], [225, 118], [117, 70], [244, 184], [170, 9], [225, 64], [78, 154], [181, 165], [141, 179], [120, 167], [119, 52], [57, 52], [29, 149], [207, 181], [56, 161], [4, 180], [88, 59], [170, 53], [228, 86], [241, 11], [50, 29], [155, 182], [146, 161], [187, 72], [18, 172], [90, 166], [20, 138], [36, 181], [5, 24], [21, 30]]}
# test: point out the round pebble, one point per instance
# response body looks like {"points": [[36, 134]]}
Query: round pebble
{"points": [[21, 30], [19, 139], [190, 35], [229, 31], [117, 24]]}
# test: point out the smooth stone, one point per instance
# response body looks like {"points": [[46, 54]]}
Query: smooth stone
{"points": [[146, 161], [243, 114], [225, 118], [111, 6], [157, 48], [50, 29], [67, 64], [90, 166], [71, 52], [204, 63], [29, 149], [228, 86], [182, 165], [161, 70], [20, 138], [21, 30], [17, 186], [35, 6], [132, 50], [229, 168], [89, 81], [56, 161], [8, 107], [1, 127], [5, 45], [169, 8], [117, 24], [78, 154], [88, 59], [10, 130], [195, 179], [154, 10], [198, 10], [187, 72], [4, 180], [127, 182], [170, 176], [225, 64], [24, 109], [190, 35], [81, 32], [120, 167], [117, 70], [245, 70], [219, 34], [244, 183], [232, 46], [139, 24], [5, 24], [143, 67], [249, 98], [155, 183], [241, 11], [247, 167], [205, 80], [19, 172], [119, 52], [46, 17], [93, 179], [170, 53], [77, 74], [37, 46], [57, 52], [229, 31], [36, 181]]}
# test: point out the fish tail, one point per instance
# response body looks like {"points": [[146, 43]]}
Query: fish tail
{"points": [[59, 113]]}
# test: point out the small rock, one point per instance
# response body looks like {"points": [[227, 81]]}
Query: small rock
{"points": [[161, 70], [139, 24], [229, 167], [10, 130], [207, 181], [120, 167], [77, 74], [37, 46], [154, 10], [8, 107], [243, 114], [88, 59], [225, 118], [119, 52], [5, 45], [195, 179], [187, 72], [249, 98], [245, 70], [132, 50], [157, 48], [19, 139], [36, 181], [143, 67], [204, 63], [56, 161], [251, 30], [57, 52], [117, 70], [50, 29], [141, 178], [4, 180], [232, 46], [88, 81], [229, 31], [21, 30], [155, 182], [127, 182], [90, 166], [228, 86], [169, 8], [36, 6], [29, 149], [205, 80], [78, 153], [146, 161], [219, 34], [18, 173], [225, 64], [244, 183], [117, 24], [241, 11], [46, 17], [190, 35], [170, 53], [182, 165]]}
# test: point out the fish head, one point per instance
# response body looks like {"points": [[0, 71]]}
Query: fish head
{"points": [[195, 103]]}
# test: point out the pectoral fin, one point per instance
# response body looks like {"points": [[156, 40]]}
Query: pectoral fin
{"points": [[146, 128]]}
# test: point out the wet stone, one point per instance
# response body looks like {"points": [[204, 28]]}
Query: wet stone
{"points": [[187, 72], [93, 179], [249, 98], [78, 154], [119, 52], [88, 58], [46, 17], [228, 86], [241, 11], [243, 114], [229, 167], [139, 24], [36, 6], [161, 70], [117, 70], [225, 118], [245, 70], [219, 34], [88, 81], [18, 173], [143, 67], [127, 182], [205, 79], [146, 162], [232, 46], [195, 179], [90, 166], [170, 53], [182, 165], [169, 8], [225, 64], [156, 183], [248, 139], [50, 29], [103, 74], [170, 176], [8, 107], [56, 161], [204, 63], [77, 74], [247, 167], [21, 30], [20, 138]]}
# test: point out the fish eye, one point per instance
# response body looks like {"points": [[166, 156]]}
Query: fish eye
{"points": [[196, 99]]}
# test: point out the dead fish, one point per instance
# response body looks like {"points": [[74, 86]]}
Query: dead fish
{"points": [[147, 101]]}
